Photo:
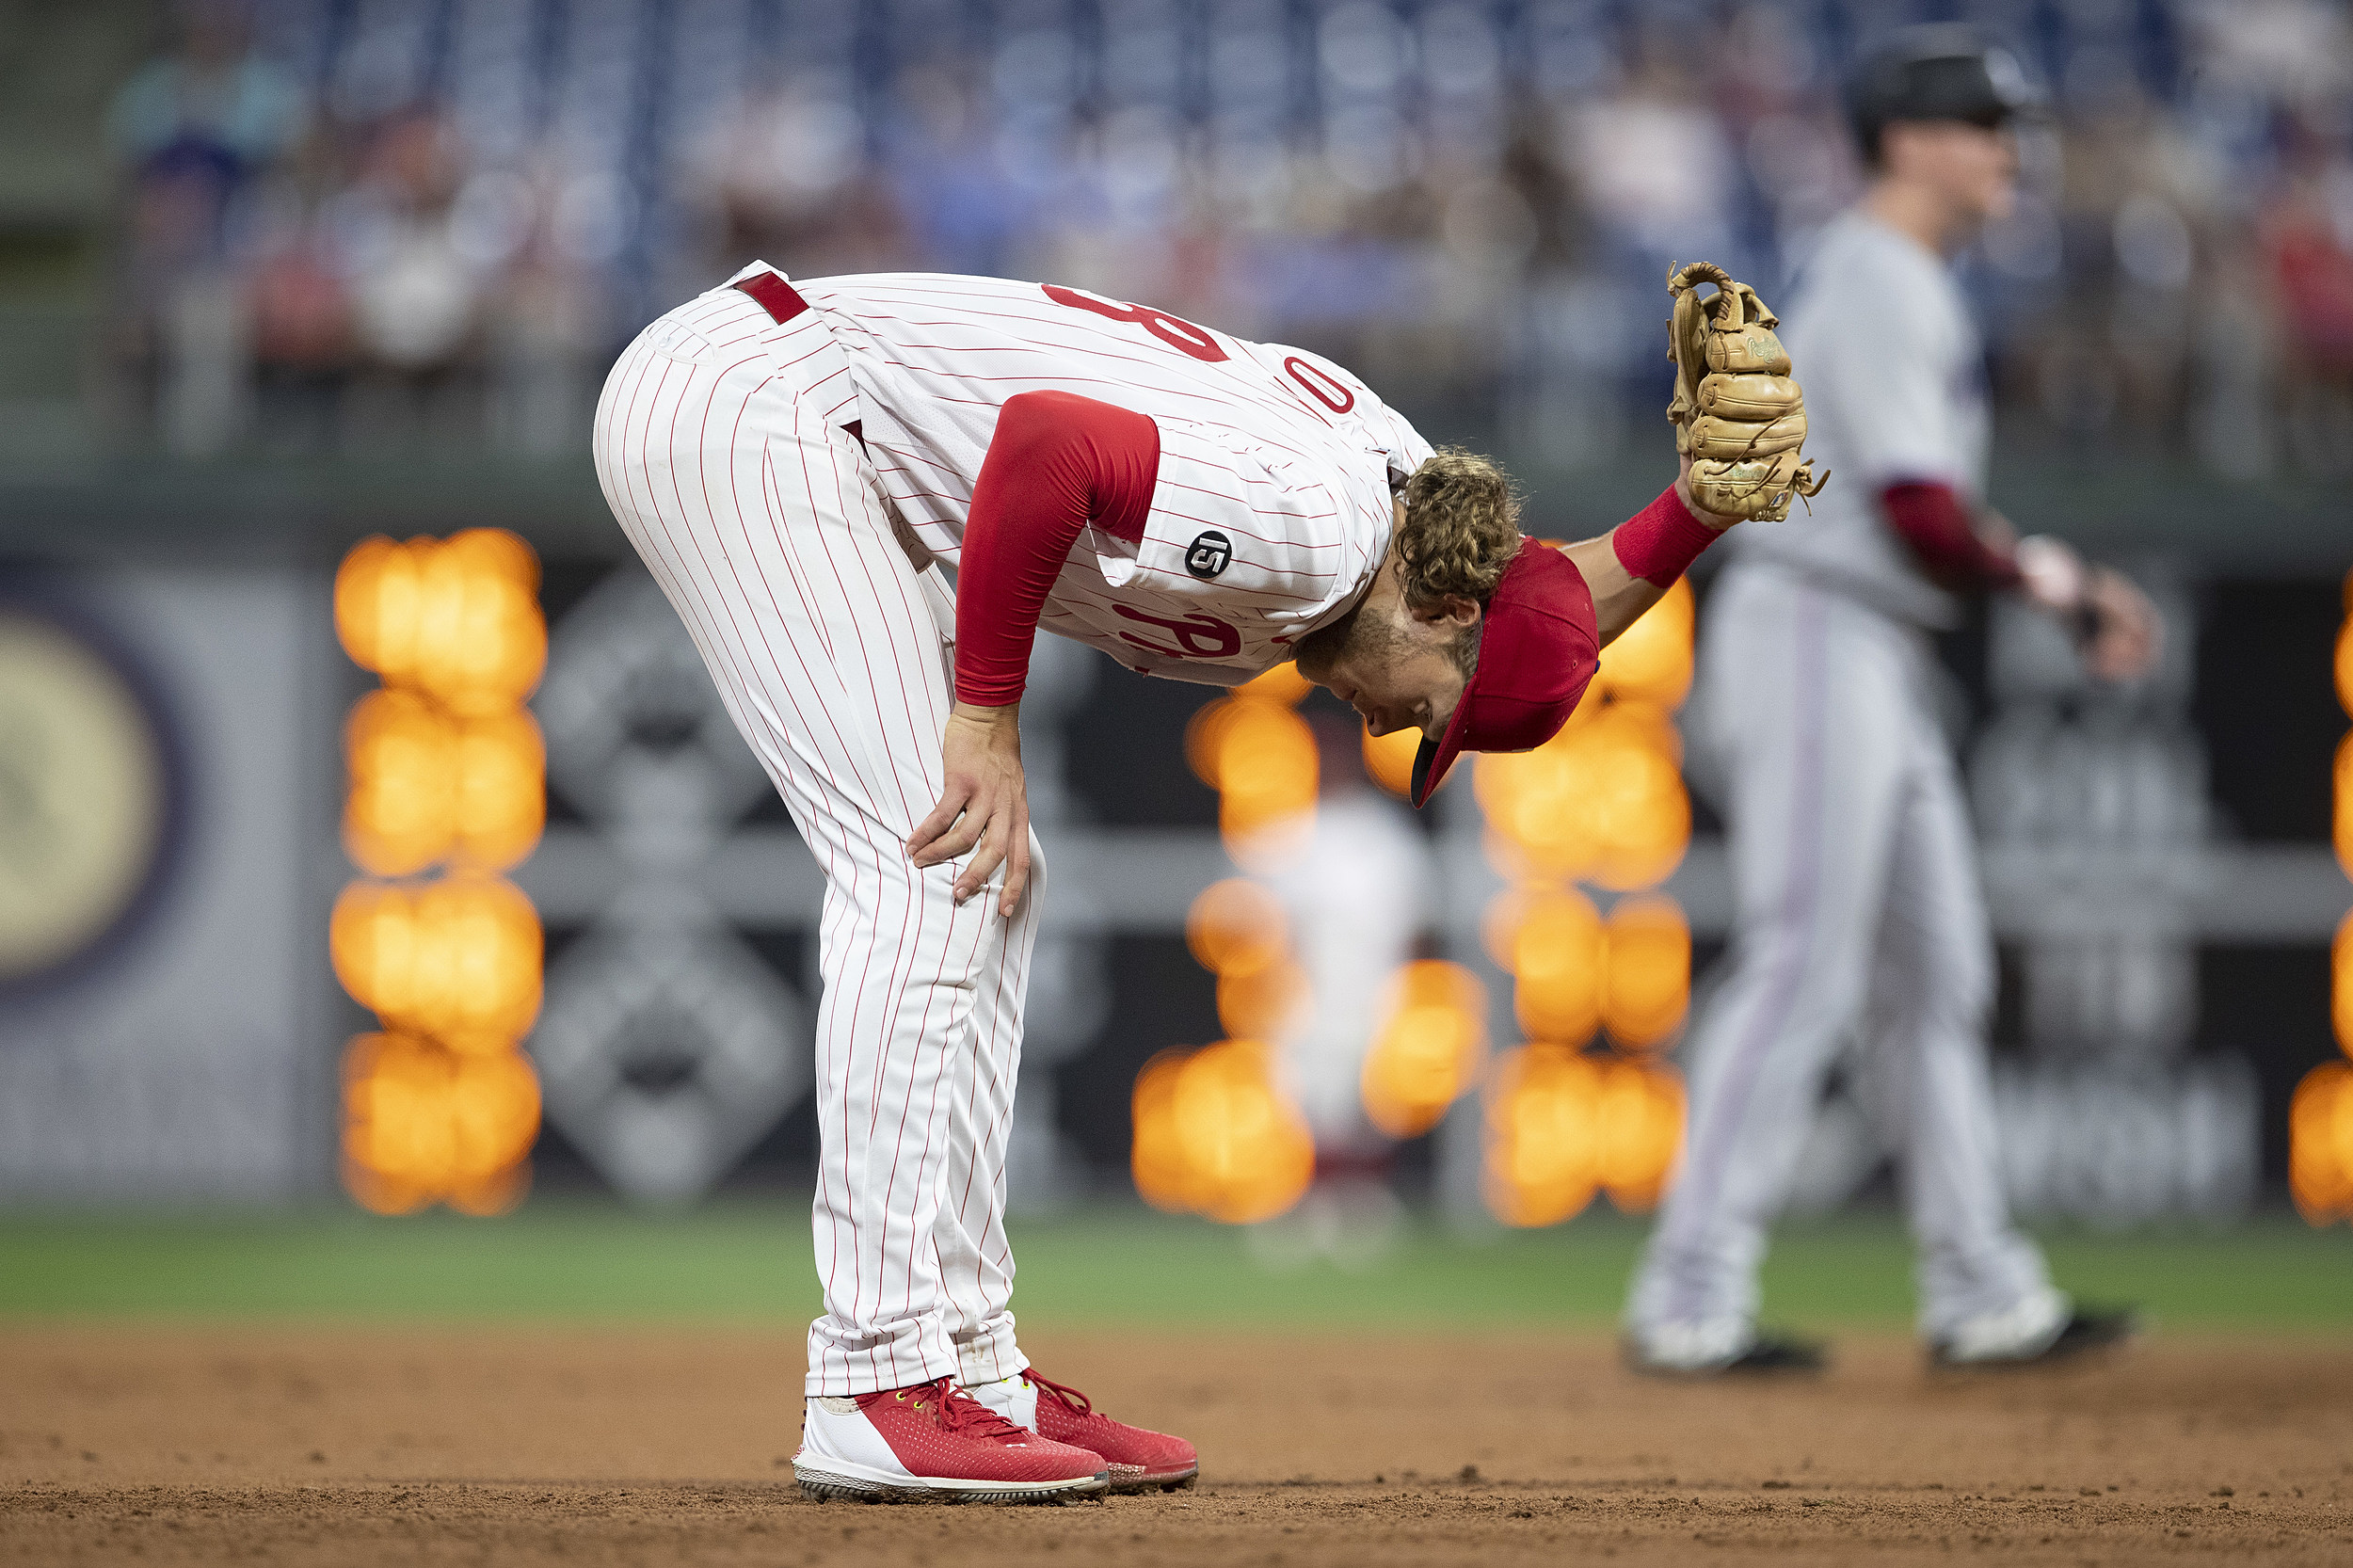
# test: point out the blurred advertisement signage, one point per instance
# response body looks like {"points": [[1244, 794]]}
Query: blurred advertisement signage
{"points": [[155, 810]]}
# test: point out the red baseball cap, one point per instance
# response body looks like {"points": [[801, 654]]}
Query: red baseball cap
{"points": [[1537, 651]]}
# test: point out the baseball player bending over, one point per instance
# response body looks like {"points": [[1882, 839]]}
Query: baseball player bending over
{"points": [[795, 462], [1853, 857]]}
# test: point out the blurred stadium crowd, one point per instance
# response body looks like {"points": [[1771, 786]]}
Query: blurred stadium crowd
{"points": [[365, 221]]}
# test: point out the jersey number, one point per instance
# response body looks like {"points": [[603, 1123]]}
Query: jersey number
{"points": [[1175, 331], [1324, 388], [1198, 636]]}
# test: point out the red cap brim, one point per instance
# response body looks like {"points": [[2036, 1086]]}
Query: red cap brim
{"points": [[1538, 648], [1432, 761]]}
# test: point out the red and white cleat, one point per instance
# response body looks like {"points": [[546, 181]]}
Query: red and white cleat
{"points": [[1139, 1459], [934, 1443]]}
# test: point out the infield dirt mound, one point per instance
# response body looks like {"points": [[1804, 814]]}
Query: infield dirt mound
{"points": [[512, 1447]]}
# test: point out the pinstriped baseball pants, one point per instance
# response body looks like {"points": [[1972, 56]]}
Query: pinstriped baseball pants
{"points": [[720, 446], [1858, 913]]}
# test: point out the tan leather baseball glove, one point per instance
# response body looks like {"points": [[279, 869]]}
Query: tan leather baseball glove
{"points": [[1736, 410]]}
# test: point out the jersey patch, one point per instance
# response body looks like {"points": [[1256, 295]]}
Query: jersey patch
{"points": [[1270, 508], [1209, 554]]}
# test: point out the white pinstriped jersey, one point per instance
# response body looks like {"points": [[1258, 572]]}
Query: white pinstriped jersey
{"points": [[1272, 509], [725, 465]]}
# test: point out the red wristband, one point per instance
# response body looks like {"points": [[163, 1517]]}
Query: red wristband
{"points": [[1659, 543], [1933, 519]]}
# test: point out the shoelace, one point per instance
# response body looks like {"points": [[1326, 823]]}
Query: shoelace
{"points": [[1078, 1403], [961, 1414]]}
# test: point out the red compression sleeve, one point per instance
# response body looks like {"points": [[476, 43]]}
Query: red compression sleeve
{"points": [[1931, 520], [1056, 462], [1659, 543]]}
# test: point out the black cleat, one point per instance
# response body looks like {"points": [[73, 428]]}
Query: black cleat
{"points": [[1781, 1352], [2087, 1329], [1768, 1354]]}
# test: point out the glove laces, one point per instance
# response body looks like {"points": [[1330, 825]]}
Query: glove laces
{"points": [[1079, 1403]]}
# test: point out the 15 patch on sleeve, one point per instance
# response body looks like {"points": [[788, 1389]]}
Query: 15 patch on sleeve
{"points": [[1209, 554]]}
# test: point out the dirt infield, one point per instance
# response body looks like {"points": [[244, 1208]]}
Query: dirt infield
{"points": [[647, 1446]]}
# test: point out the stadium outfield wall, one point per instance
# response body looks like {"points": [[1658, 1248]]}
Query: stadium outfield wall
{"points": [[191, 1054]]}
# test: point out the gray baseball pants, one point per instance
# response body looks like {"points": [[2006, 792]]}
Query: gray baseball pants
{"points": [[1859, 917]]}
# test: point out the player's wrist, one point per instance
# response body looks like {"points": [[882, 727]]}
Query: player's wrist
{"points": [[1715, 522], [988, 716], [1660, 542], [2055, 576]]}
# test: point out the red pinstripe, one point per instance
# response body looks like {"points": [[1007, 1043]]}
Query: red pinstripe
{"points": [[772, 498], [765, 524], [825, 641], [913, 914], [838, 684], [906, 317]]}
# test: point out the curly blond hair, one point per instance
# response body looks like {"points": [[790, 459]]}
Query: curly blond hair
{"points": [[1462, 528]]}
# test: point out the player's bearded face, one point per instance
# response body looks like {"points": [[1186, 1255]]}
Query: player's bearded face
{"points": [[1393, 668]]}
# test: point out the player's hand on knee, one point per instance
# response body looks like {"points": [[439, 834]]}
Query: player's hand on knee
{"points": [[984, 811]]}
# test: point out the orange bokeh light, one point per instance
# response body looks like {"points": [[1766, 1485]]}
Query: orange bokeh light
{"points": [[1260, 757], [1215, 1135], [1204, 739], [1389, 760], [1552, 942], [2342, 818], [445, 764], [2320, 1143], [1601, 800], [458, 959], [500, 805], [1651, 661], [456, 619], [1541, 1166], [1639, 1119], [2344, 652], [1265, 1003], [1430, 1048], [1283, 685], [1563, 1125], [2320, 1117], [424, 1125], [1235, 926], [400, 814], [1646, 985], [2341, 983], [425, 787]]}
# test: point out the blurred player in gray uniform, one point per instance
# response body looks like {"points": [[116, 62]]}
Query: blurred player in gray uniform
{"points": [[1859, 913]]}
